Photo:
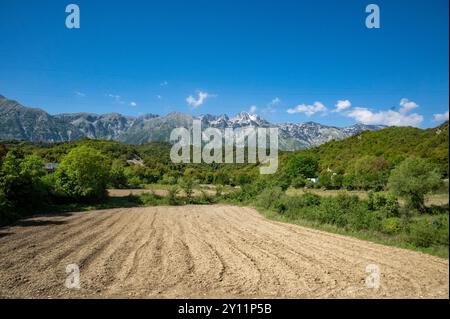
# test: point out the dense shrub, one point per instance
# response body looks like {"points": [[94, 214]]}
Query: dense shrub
{"points": [[392, 225], [302, 206], [20, 182], [422, 233], [7, 212], [187, 185], [117, 175], [172, 195], [333, 212], [149, 199], [268, 197], [83, 174], [137, 176], [298, 181], [21, 186], [414, 178], [302, 165], [329, 180], [388, 205]]}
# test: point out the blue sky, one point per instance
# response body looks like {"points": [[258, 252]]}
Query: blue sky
{"points": [[288, 61]]}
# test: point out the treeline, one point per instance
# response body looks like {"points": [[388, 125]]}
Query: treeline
{"points": [[135, 166], [408, 162]]}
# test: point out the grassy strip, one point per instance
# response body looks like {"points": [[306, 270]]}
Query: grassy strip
{"points": [[437, 199], [376, 237]]}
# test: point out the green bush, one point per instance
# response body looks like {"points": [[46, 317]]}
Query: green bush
{"points": [[301, 165], [388, 205], [172, 195], [391, 207], [280, 204], [21, 187], [425, 232], [331, 212], [298, 181], [21, 184], [422, 233], [149, 199], [136, 176], [440, 223], [83, 174], [187, 185], [117, 175], [169, 179], [7, 212], [248, 192], [310, 199], [304, 206], [392, 225], [267, 198]]}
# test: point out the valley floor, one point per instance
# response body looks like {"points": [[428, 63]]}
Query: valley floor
{"points": [[203, 251]]}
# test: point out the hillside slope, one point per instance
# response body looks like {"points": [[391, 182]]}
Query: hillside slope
{"points": [[393, 144]]}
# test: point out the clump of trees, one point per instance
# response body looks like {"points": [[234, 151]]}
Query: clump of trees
{"points": [[413, 179], [25, 186], [22, 188], [83, 174]]}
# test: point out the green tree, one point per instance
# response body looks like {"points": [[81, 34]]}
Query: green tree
{"points": [[21, 186], [369, 172], [83, 174], [413, 179], [302, 165], [117, 174]]}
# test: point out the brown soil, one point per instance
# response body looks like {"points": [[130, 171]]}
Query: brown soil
{"points": [[203, 251]]}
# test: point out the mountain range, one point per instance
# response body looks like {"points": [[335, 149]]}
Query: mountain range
{"points": [[18, 122]]}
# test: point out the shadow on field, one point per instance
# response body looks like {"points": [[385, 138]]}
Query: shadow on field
{"points": [[38, 222]]}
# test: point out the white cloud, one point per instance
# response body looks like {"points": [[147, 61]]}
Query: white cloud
{"points": [[390, 117], [308, 110], [253, 109], [275, 101], [81, 94], [342, 105], [159, 97], [407, 105], [441, 117], [202, 96], [133, 104], [164, 83]]}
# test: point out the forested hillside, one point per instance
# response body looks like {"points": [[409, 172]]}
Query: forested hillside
{"points": [[392, 144]]}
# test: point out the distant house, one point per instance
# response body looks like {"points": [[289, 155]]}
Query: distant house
{"points": [[50, 167]]}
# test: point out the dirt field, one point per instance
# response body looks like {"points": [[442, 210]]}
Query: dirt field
{"points": [[202, 251]]}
